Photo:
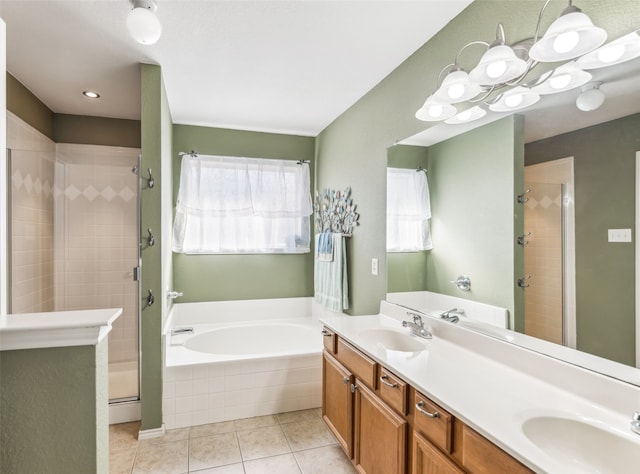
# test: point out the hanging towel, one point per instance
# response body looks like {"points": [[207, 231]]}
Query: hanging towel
{"points": [[324, 247], [330, 277]]}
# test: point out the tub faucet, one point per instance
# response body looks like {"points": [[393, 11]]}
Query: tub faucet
{"points": [[177, 331], [452, 315], [417, 326]]}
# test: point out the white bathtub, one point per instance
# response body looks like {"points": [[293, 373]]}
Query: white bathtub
{"points": [[244, 359]]}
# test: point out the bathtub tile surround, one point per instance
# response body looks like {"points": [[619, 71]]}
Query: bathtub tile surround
{"points": [[202, 388], [293, 442]]}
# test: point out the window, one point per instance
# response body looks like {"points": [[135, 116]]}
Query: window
{"points": [[408, 211], [230, 205]]}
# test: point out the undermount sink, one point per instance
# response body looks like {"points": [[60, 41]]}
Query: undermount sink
{"points": [[583, 446], [393, 340]]}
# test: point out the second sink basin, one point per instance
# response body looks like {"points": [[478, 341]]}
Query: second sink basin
{"points": [[392, 340], [583, 446]]}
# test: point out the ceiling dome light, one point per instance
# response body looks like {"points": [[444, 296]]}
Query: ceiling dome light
{"points": [[499, 64], [563, 78], [590, 98], [571, 35], [433, 111], [515, 99], [457, 87], [142, 22], [469, 115], [623, 49], [91, 94]]}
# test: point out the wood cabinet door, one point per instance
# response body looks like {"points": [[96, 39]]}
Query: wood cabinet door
{"points": [[427, 459], [337, 401], [380, 435]]}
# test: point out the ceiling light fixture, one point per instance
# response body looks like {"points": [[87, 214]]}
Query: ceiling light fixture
{"points": [[142, 22], [591, 97], [469, 115], [502, 66], [91, 94]]}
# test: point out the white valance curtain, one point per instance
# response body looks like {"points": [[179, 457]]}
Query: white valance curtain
{"points": [[408, 211], [242, 205]]}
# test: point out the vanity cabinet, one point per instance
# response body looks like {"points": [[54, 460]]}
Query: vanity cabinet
{"points": [[388, 427]]}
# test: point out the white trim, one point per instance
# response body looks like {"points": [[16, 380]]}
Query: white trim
{"points": [[4, 272], [637, 309], [124, 412], [153, 433]]}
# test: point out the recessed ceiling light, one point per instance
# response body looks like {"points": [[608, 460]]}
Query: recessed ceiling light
{"points": [[91, 94]]}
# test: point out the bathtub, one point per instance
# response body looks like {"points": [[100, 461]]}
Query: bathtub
{"points": [[243, 359]]}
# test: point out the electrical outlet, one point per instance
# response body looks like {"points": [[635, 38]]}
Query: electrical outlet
{"points": [[374, 266], [619, 235]]}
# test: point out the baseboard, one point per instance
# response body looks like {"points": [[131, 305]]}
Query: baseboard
{"points": [[153, 433], [124, 412]]}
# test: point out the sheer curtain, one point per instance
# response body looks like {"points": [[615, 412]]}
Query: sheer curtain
{"points": [[408, 211], [242, 205]]}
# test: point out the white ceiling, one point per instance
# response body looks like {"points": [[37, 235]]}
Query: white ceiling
{"points": [[277, 66]]}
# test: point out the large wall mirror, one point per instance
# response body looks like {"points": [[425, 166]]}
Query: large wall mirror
{"points": [[577, 172]]}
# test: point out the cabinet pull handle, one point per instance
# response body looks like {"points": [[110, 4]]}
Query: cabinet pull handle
{"points": [[325, 333], [419, 406], [346, 380], [384, 379]]}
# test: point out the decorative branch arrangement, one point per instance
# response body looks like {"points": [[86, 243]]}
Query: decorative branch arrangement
{"points": [[334, 211]]}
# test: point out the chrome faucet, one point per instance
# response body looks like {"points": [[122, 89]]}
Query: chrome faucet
{"points": [[417, 326], [177, 331], [635, 422], [452, 315]]}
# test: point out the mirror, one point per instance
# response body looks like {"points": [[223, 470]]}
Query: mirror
{"points": [[600, 150]]}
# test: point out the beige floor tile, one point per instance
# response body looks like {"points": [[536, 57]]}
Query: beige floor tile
{"points": [[256, 422], [213, 451], [166, 458], [283, 464], [308, 434], [123, 436], [262, 442], [169, 436], [297, 416], [212, 429], [121, 462], [228, 469], [326, 460]]}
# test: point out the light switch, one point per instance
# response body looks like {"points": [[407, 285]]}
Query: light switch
{"points": [[619, 235], [374, 266]]}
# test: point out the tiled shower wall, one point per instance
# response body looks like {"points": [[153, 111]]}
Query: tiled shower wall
{"points": [[97, 237], [32, 183]]}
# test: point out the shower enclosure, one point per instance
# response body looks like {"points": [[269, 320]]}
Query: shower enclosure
{"points": [[74, 230]]}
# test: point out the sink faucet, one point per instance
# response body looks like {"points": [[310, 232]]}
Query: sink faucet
{"points": [[635, 422], [417, 326], [452, 315]]}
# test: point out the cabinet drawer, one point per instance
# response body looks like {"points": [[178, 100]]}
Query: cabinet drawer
{"points": [[481, 456], [433, 422], [393, 390], [361, 366], [329, 339]]}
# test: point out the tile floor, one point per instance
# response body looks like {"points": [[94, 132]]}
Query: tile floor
{"points": [[295, 442]]}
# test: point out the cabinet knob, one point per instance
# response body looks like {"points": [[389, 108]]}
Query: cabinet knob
{"points": [[354, 387], [419, 406], [346, 380]]}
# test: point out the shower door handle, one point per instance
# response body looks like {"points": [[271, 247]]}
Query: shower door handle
{"points": [[136, 273]]}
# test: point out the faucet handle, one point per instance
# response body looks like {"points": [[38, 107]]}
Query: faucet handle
{"points": [[636, 416]]}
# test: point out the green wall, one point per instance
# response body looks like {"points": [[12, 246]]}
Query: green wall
{"points": [[53, 410], [407, 271], [156, 126], [239, 277], [22, 102], [604, 173], [472, 203]]}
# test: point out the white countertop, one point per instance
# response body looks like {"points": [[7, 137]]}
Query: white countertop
{"points": [[56, 329], [490, 391]]}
